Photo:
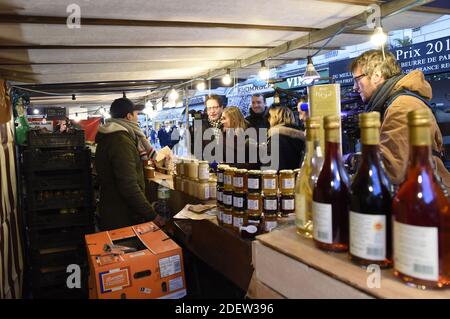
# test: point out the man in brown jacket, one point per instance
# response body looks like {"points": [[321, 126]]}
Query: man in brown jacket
{"points": [[379, 79]]}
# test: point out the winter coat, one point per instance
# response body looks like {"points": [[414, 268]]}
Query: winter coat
{"points": [[290, 149], [164, 137], [259, 121], [121, 178], [197, 131], [394, 139], [236, 152]]}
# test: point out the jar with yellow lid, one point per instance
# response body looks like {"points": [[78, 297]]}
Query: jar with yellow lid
{"points": [[287, 182], [240, 180], [238, 220], [228, 178], [254, 184], [220, 174], [203, 171], [270, 182], [192, 167], [254, 203]]}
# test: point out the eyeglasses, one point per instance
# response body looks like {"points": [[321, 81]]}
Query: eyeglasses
{"points": [[356, 78], [213, 108]]}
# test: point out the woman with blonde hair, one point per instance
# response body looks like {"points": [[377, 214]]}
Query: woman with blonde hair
{"points": [[232, 118], [288, 136]]}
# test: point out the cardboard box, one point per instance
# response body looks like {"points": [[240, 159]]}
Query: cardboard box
{"points": [[137, 262]]}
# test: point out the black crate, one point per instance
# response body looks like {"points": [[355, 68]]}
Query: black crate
{"points": [[57, 257], [51, 160], [37, 139], [46, 200], [59, 237], [60, 180], [48, 219]]}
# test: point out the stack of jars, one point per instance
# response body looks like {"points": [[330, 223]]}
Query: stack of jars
{"points": [[192, 177]]}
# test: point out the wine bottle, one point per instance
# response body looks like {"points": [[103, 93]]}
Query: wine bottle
{"points": [[331, 196], [307, 178], [371, 201], [421, 214]]}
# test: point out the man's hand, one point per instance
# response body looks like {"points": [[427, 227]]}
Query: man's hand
{"points": [[159, 221]]}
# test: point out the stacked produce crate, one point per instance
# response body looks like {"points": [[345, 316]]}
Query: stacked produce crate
{"points": [[59, 211]]}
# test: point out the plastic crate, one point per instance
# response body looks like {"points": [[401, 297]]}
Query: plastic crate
{"points": [[51, 160], [58, 180], [59, 199], [37, 139], [55, 257], [60, 218], [59, 237]]}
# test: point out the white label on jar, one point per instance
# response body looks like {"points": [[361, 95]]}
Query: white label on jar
{"points": [[206, 192], [203, 173], [270, 204], [416, 251], [253, 183], [323, 222], [219, 196], [269, 226], [227, 199], [300, 211], [368, 236], [270, 183], [238, 202], [227, 219], [287, 204], [288, 183], [227, 180], [219, 177], [238, 182], [212, 191], [253, 204], [249, 229], [220, 215], [238, 221]]}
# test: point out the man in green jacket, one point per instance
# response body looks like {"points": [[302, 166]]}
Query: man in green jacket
{"points": [[121, 148]]}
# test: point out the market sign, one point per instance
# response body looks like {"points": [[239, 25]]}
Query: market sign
{"points": [[55, 113], [297, 81], [429, 57]]}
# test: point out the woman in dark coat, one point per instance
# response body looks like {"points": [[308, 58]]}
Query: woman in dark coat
{"points": [[285, 139]]}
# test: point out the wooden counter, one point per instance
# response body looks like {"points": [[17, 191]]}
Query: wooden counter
{"points": [[293, 267]]}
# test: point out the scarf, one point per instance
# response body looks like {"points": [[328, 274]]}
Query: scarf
{"points": [[217, 127], [379, 98], [146, 151]]}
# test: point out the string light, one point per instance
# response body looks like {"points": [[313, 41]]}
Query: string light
{"points": [[226, 80], [379, 38], [310, 74], [201, 86]]}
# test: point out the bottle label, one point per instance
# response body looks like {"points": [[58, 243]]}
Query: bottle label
{"points": [[416, 251], [253, 204], [368, 236], [238, 182], [287, 204], [323, 222], [227, 199], [238, 222], [270, 183], [269, 226], [238, 202], [227, 219], [288, 183], [270, 204], [300, 212], [253, 183]]}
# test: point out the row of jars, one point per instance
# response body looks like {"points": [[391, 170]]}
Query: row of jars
{"points": [[203, 190], [193, 169]]}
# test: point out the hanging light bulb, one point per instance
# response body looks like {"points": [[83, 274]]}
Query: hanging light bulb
{"points": [[226, 80], [36, 111], [173, 96], [201, 86], [379, 38], [264, 72], [310, 74]]}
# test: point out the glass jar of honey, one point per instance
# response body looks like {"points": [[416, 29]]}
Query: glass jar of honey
{"points": [[239, 201], [219, 195], [270, 204], [240, 180], [212, 188], [238, 219], [270, 222], [227, 218], [254, 184], [270, 182], [203, 171], [287, 204], [227, 199], [228, 178], [220, 173], [202, 190], [287, 182], [254, 204]]}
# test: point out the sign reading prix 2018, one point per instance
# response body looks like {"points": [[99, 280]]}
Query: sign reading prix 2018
{"points": [[429, 57]]}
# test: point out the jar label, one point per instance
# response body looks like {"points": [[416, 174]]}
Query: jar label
{"points": [[287, 204], [220, 215], [227, 199], [323, 222], [270, 204], [270, 183], [227, 180], [206, 192], [253, 204], [238, 222], [288, 183], [238, 202], [238, 182], [227, 219], [203, 173], [219, 196], [368, 236], [416, 251], [253, 183], [270, 225], [219, 177]]}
